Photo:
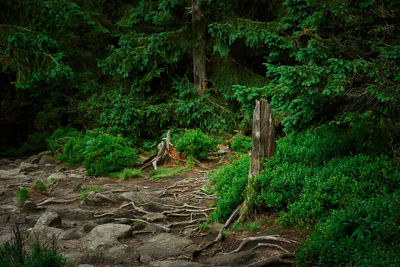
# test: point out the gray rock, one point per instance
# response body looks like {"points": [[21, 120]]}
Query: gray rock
{"points": [[87, 227], [106, 234], [44, 235], [27, 167], [76, 214], [120, 254], [71, 234], [49, 218], [235, 259], [163, 246], [76, 257], [178, 263]]}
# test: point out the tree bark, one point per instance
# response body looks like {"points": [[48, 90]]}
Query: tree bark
{"points": [[199, 57]]}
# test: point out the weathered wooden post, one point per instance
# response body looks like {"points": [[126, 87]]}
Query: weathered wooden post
{"points": [[263, 147]]}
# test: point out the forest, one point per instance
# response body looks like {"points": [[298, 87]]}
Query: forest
{"points": [[100, 83]]}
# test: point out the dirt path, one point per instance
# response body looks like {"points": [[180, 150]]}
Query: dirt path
{"points": [[136, 222]]}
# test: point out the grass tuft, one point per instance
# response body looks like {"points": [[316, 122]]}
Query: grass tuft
{"points": [[128, 174]]}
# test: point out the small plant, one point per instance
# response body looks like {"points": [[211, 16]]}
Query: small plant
{"points": [[204, 227], [87, 189], [164, 172], [40, 187], [128, 173], [252, 226], [196, 144], [237, 226], [22, 195], [242, 144]]}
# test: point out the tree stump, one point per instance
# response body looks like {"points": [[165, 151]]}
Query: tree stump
{"points": [[263, 147], [162, 155]]}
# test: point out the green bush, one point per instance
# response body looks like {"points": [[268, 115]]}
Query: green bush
{"points": [[61, 136], [241, 143], [230, 184], [101, 153], [197, 144], [365, 234]]}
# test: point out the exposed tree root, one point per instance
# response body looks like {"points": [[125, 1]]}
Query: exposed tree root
{"points": [[274, 261], [275, 238]]}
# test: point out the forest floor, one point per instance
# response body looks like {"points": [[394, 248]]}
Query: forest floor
{"points": [[134, 222]]}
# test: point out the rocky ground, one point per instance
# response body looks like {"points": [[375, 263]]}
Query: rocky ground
{"points": [[136, 222]]}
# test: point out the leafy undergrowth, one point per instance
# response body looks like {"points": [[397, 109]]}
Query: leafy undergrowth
{"points": [[337, 181]]}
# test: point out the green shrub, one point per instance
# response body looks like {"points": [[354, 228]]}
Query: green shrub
{"points": [[61, 136], [22, 195], [242, 144], [197, 144], [365, 234], [230, 184], [100, 153], [127, 174], [40, 187]]}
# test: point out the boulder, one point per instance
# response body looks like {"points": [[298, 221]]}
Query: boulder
{"points": [[49, 218], [71, 234], [76, 214], [106, 234], [44, 235], [120, 254], [164, 246]]}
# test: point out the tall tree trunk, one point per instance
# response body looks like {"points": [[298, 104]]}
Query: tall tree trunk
{"points": [[263, 147], [199, 56]]}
